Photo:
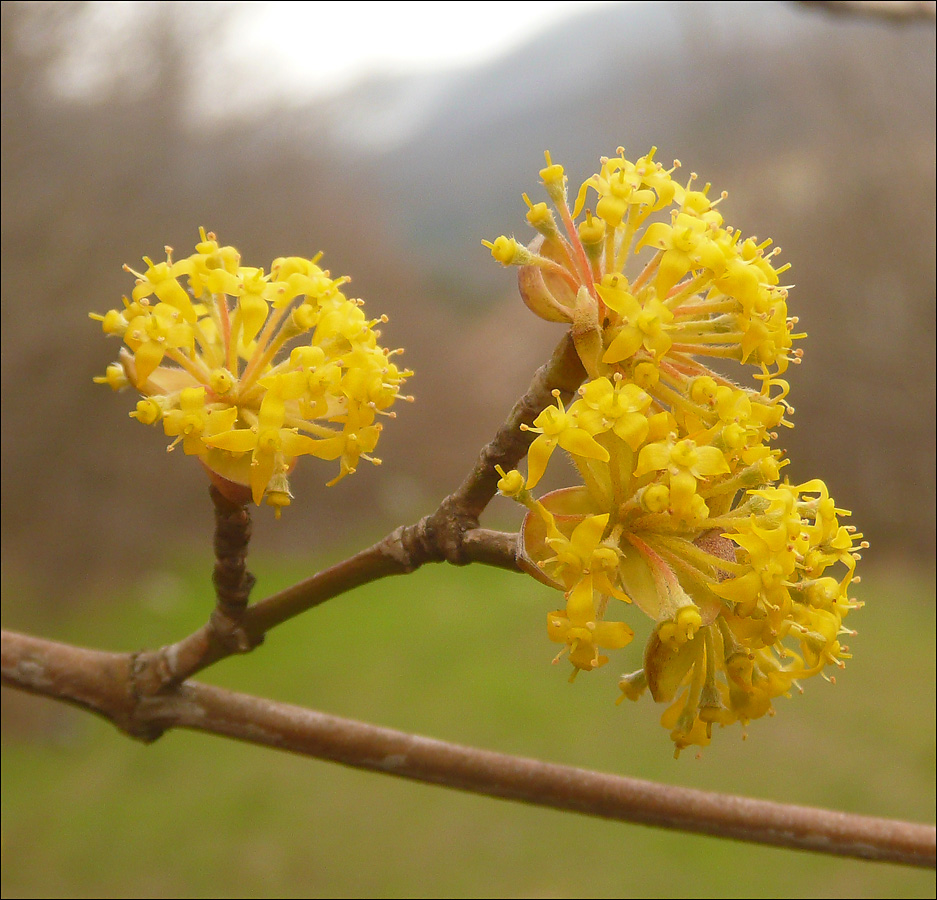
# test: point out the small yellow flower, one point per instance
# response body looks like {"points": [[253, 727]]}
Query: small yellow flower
{"points": [[270, 444], [555, 427], [685, 464], [193, 424], [152, 334], [583, 632], [640, 326], [620, 408]]}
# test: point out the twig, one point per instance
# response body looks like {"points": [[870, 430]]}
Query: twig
{"points": [[100, 682], [230, 577]]}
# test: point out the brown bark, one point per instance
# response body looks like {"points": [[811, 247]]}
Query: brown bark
{"points": [[103, 683]]}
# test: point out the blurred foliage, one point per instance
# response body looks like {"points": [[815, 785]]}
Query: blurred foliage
{"points": [[461, 655], [822, 131]]}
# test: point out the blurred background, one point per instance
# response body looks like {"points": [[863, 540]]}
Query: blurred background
{"points": [[394, 138]]}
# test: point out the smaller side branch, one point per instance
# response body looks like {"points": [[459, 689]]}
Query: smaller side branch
{"points": [[450, 534], [100, 682], [170, 665]]}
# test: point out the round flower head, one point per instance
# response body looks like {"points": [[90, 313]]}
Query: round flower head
{"points": [[249, 371], [651, 281], [681, 511]]}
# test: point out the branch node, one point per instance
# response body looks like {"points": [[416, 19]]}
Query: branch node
{"points": [[137, 724], [230, 632], [449, 526]]}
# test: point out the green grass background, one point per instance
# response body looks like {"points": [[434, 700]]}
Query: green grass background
{"points": [[462, 655]]}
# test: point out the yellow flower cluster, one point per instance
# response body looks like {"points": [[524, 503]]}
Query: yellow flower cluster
{"points": [[218, 363], [681, 510]]}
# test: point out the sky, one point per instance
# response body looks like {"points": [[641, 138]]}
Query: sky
{"points": [[296, 51], [321, 48]]}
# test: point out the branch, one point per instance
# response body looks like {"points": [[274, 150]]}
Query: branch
{"points": [[102, 683], [890, 10]]}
